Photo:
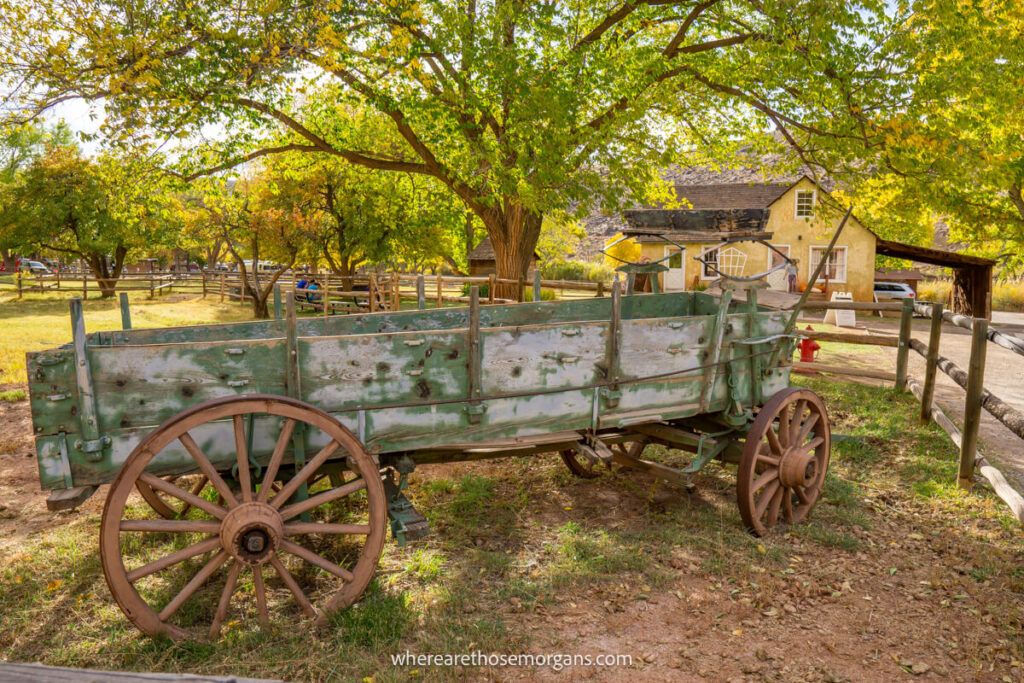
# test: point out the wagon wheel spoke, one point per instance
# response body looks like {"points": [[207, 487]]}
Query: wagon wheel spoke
{"points": [[275, 460], [173, 526], [199, 486], [201, 577], [814, 443], [173, 559], [783, 435], [261, 595], [186, 496], [766, 498], [225, 598], [801, 493], [769, 475], [303, 475], [795, 420], [309, 556], [209, 471], [806, 427], [301, 528], [321, 498], [787, 505], [773, 508], [242, 455], [293, 586]]}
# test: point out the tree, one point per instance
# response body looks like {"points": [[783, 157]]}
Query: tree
{"points": [[255, 224], [20, 146], [955, 150], [92, 210], [518, 108]]}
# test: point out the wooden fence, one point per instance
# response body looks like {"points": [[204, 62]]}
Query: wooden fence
{"points": [[976, 399], [334, 294]]}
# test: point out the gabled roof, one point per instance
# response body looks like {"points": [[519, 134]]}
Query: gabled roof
{"points": [[732, 195]]}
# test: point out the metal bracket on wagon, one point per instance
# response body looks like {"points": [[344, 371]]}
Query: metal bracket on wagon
{"points": [[93, 448]]}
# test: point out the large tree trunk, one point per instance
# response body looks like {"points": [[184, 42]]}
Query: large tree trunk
{"points": [[106, 277], [514, 233], [8, 261]]}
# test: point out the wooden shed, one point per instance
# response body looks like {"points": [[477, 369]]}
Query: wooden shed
{"points": [[972, 275], [481, 259]]}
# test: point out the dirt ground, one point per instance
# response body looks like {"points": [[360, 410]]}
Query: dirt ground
{"points": [[910, 591]]}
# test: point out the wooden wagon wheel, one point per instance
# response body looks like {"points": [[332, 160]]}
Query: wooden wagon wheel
{"points": [[579, 466], [584, 468], [249, 531], [784, 460]]}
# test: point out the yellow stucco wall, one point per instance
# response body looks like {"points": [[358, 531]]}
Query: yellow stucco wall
{"points": [[800, 234]]}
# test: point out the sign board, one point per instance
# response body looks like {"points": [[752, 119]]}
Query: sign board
{"points": [[841, 318]]}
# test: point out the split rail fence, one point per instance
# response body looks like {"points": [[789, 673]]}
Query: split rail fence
{"points": [[971, 380], [334, 294]]}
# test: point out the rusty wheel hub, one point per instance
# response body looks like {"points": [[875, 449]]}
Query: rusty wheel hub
{"points": [[251, 532], [798, 468]]}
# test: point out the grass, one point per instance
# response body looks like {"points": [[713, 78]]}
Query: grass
{"points": [[511, 538], [40, 322]]}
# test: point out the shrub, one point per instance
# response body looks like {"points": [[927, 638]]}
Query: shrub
{"points": [[1008, 296], [936, 291], [588, 271], [545, 294]]}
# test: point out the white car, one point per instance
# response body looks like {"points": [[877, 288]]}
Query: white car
{"points": [[893, 290], [35, 267]]}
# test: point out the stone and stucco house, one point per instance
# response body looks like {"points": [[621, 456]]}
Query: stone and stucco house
{"points": [[797, 214]]}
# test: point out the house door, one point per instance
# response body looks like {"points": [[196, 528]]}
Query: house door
{"points": [[675, 276], [779, 279]]}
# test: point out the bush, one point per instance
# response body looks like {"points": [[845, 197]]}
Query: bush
{"points": [[484, 289], [935, 291], [545, 294], [1008, 296], [586, 271]]}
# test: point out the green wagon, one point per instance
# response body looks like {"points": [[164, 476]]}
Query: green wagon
{"points": [[256, 467]]}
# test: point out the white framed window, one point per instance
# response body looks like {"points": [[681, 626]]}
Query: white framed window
{"points": [[835, 269], [805, 203], [708, 257]]}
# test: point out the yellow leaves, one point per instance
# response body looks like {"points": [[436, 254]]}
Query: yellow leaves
{"points": [[54, 586]]}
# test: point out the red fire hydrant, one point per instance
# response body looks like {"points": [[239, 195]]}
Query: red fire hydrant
{"points": [[808, 348]]}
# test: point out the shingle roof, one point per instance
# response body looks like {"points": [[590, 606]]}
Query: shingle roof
{"points": [[732, 195]]}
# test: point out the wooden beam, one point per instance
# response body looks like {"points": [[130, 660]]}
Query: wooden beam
{"points": [[846, 371], [903, 350], [853, 338], [931, 362]]}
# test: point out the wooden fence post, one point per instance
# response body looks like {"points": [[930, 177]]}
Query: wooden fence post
{"points": [[126, 313], [396, 296], [972, 403], [440, 291], [85, 283], [903, 351], [58, 278], [18, 279], [931, 363], [372, 287], [536, 286], [203, 275], [277, 301], [152, 289], [421, 292], [492, 283], [600, 288], [326, 301], [222, 287]]}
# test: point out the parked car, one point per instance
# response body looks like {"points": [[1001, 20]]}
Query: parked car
{"points": [[893, 290], [34, 267]]}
